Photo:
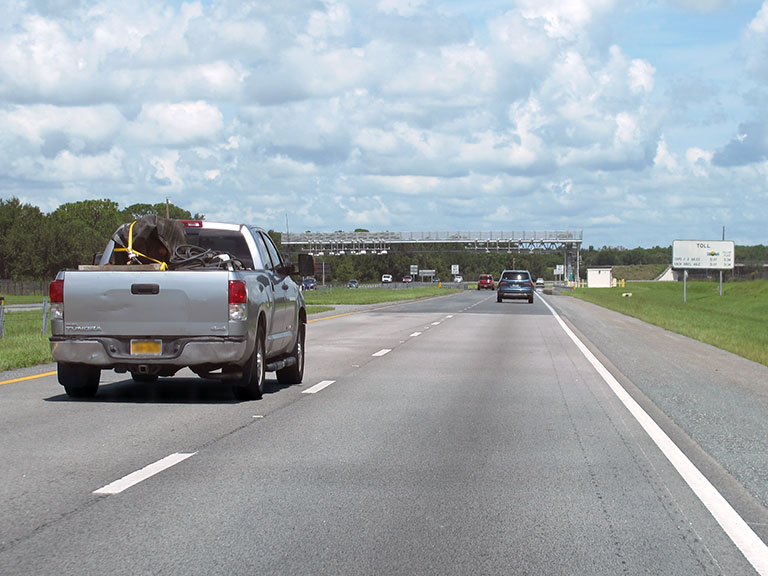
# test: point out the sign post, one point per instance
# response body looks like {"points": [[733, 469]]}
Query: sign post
{"points": [[702, 255]]}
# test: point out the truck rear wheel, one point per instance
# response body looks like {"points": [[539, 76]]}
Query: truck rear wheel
{"points": [[250, 386], [295, 374], [79, 380]]}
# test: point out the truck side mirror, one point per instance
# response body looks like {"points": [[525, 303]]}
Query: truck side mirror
{"points": [[306, 265]]}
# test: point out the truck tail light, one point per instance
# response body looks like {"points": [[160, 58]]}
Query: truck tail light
{"points": [[238, 300], [56, 294], [192, 223]]}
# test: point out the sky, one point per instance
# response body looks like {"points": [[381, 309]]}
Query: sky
{"points": [[638, 122]]}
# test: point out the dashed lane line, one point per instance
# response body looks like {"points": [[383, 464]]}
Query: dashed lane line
{"points": [[140, 475], [319, 386]]}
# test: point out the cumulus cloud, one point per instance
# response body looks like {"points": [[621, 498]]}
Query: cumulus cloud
{"points": [[537, 113], [750, 145], [176, 124], [565, 20]]}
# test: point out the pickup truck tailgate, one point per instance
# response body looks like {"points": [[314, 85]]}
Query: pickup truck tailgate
{"points": [[167, 303]]}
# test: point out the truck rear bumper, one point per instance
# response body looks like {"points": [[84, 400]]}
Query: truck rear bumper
{"points": [[108, 353]]}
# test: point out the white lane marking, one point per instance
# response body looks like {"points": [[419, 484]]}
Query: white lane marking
{"points": [[382, 352], [753, 549], [415, 334], [319, 386], [140, 475], [449, 316], [435, 323]]}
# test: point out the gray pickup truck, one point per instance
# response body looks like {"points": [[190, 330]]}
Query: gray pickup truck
{"points": [[165, 295]]}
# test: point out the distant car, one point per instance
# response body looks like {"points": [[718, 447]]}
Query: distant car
{"points": [[436, 279], [407, 278], [386, 278], [458, 279], [352, 284], [515, 284], [539, 282], [309, 283], [485, 282]]}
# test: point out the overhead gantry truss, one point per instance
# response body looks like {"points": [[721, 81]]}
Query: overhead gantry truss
{"points": [[364, 242]]}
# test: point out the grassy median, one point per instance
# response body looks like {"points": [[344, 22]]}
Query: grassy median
{"points": [[735, 321], [24, 343], [361, 296]]}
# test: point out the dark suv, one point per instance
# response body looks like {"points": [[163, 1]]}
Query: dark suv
{"points": [[515, 284]]}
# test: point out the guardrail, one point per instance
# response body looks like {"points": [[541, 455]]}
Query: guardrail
{"points": [[5, 308]]}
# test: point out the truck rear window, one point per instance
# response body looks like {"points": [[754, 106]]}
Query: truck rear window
{"points": [[222, 241]]}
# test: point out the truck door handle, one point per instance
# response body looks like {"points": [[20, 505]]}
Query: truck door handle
{"points": [[145, 289]]}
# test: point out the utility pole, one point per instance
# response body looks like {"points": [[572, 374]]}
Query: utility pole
{"points": [[721, 272]]}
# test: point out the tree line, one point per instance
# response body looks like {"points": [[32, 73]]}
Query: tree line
{"points": [[35, 246]]}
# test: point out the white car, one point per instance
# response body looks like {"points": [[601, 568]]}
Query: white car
{"points": [[386, 278], [458, 279]]}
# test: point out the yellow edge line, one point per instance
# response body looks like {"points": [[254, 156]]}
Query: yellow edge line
{"points": [[28, 378]]}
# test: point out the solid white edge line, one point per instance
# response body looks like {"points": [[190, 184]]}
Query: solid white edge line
{"points": [[382, 352], [319, 386], [148, 471], [749, 543]]}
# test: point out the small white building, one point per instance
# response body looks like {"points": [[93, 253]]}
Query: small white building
{"points": [[600, 277]]}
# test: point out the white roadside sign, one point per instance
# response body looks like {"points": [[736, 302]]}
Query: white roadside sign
{"points": [[703, 254]]}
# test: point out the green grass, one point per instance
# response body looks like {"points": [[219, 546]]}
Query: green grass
{"points": [[34, 299], [735, 321], [346, 296], [312, 309], [24, 343]]}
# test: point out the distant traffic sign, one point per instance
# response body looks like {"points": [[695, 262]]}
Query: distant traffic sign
{"points": [[703, 254]]}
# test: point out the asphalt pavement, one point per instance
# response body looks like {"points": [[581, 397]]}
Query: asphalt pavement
{"points": [[448, 436]]}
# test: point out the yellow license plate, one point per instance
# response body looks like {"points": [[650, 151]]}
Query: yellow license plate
{"points": [[146, 347]]}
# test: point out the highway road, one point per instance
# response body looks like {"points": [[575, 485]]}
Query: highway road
{"points": [[449, 436]]}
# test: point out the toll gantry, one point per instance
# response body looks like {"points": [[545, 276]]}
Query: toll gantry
{"points": [[527, 241]]}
